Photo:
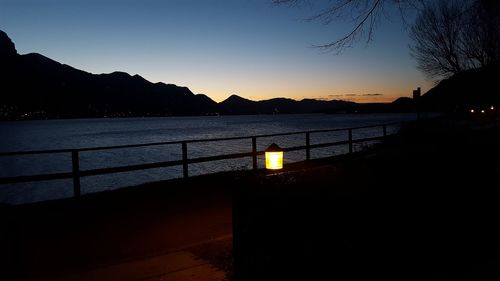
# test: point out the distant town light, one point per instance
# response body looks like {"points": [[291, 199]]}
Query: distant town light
{"points": [[492, 107], [482, 110], [472, 111], [274, 157]]}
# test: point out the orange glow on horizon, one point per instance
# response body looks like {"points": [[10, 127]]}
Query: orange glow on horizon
{"points": [[361, 90], [299, 85], [358, 98]]}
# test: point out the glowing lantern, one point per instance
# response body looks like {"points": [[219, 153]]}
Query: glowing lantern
{"points": [[274, 157]]}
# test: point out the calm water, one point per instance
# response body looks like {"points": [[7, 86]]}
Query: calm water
{"points": [[58, 134]]}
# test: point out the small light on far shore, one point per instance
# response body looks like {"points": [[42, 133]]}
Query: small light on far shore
{"points": [[472, 111], [274, 157], [482, 111], [492, 107]]}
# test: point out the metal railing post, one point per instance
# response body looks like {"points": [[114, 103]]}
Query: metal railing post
{"points": [[350, 140], [184, 160], [76, 173], [254, 153], [308, 149]]}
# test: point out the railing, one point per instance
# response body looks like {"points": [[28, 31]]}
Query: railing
{"points": [[76, 173]]}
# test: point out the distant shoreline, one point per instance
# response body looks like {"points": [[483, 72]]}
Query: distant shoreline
{"points": [[205, 115]]}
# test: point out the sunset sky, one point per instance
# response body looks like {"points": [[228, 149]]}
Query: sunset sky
{"points": [[251, 48]]}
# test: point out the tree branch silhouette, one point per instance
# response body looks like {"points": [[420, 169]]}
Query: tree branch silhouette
{"points": [[452, 36], [364, 13]]}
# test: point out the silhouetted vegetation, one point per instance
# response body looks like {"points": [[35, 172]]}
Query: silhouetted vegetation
{"points": [[474, 88], [452, 36], [364, 15], [443, 31]]}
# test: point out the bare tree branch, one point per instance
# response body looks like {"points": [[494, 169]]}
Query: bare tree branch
{"points": [[448, 36], [453, 36], [363, 13], [348, 39]]}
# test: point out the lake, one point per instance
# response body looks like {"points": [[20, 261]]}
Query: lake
{"points": [[81, 133]]}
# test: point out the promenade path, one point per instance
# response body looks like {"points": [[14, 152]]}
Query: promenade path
{"points": [[156, 232]]}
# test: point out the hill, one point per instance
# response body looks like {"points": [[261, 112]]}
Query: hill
{"points": [[471, 88], [238, 105]]}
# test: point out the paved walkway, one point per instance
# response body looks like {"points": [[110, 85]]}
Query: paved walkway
{"points": [[162, 232], [180, 265]]}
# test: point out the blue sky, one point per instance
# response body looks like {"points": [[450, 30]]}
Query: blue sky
{"points": [[216, 47]]}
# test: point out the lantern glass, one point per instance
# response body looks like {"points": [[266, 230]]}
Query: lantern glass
{"points": [[274, 160]]}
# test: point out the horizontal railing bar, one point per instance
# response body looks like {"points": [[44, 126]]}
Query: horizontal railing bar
{"points": [[367, 139], [28, 152], [32, 178], [162, 164], [219, 139], [320, 145], [249, 154], [222, 157], [187, 141], [296, 133], [294, 148], [129, 168], [85, 149], [327, 144], [128, 145]]}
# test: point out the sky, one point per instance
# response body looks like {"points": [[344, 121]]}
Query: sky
{"points": [[250, 48]]}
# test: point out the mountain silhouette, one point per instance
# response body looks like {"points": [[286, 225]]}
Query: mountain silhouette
{"points": [[238, 105], [7, 47], [35, 87], [34, 84]]}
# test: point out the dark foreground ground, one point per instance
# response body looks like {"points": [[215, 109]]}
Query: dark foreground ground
{"points": [[425, 206], [422, 206]]}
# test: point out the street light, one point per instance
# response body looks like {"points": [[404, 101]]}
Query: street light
{"points": [[274, 157]]}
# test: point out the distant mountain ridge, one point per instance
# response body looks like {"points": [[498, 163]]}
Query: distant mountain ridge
{"points": [[36, 87], [236, 104], [33, 86]]}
